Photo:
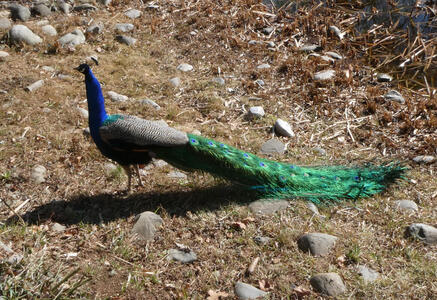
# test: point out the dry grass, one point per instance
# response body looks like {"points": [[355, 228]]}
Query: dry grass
{"points": [[45, 128]]}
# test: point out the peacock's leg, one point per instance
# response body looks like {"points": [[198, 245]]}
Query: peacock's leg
{"points": [[137, 169], [128, 171]]}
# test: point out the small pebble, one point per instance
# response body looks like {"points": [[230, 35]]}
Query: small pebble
{"points": [[38, 174], [41, 10], [319, 151], [273, 146], [175, 81], [381, 77], [127, 40], [76, 37], [83, 7], [334, 55], [34, 86], [268, 206], [124, 27], [218, 80], [394, 96], [4, 55], [423, 232], [318, 244], [185, 67], [324, 75], [19, 12], [329, 284], [268, 30], [133, 13], [5, 23], [262, 240], [426, 159], [117, 97], [146, 225], [151, 103], [263, 66], [21, 34], [367, 274], [58, 227], [283, 128], [246, 291], [256, 112], [310, 48], [49, 30], [95, 28], [406, 205], [83, 112], [260, 82], [337, 32], [182, 256]]}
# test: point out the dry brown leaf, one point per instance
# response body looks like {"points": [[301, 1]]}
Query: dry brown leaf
{"points": [[300, 291], [238, 225], [213, 295]]}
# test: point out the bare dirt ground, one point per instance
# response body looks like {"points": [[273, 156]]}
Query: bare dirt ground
{"points": [[96, 256]]}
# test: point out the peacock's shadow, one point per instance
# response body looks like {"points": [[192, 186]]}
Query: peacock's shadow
{"points": [[104, 208]]}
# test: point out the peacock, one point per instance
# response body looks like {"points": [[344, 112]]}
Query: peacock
{"points": [[130, 141]]}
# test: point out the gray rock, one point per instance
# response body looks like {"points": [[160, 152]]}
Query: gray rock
{"points": [[268, 206], [95, 28], [261, 240], [273, 146], [177, 174], [86, 132], [394, 96], [337, 32], [5, 23], [381, 77], [34, 86], [407, 205], [246, 291], [253, 42], [83, 112], [175, 81], [133, 13], [41, 10], [263, 66], [4, 55], [146, 225], [49, 30], [151, 103], [367, 274], [329, 284], [84, 7], [184, 256], [124, 27], [185, 67], [58, 227], [72, 39], [64, 7], [268, 30], [324, 75], [117, 97], [218, 80], [310, 48], [124, 39], [19, 12], [38, 174], [260, 82], [319, 151], [256, 112], [105, 2], [334, 55], [21, 34], [312, 207], [283, 128], [109, 168], [318, 244], [422, 232], [426, 159]]}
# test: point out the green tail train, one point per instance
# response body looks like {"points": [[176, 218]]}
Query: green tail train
{"points": [[273, 179]]}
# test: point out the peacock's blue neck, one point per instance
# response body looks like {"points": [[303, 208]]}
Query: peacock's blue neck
{"points": [[96, 105]]}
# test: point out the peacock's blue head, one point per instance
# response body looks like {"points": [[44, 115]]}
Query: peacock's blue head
{"points": [[83, 68]]}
